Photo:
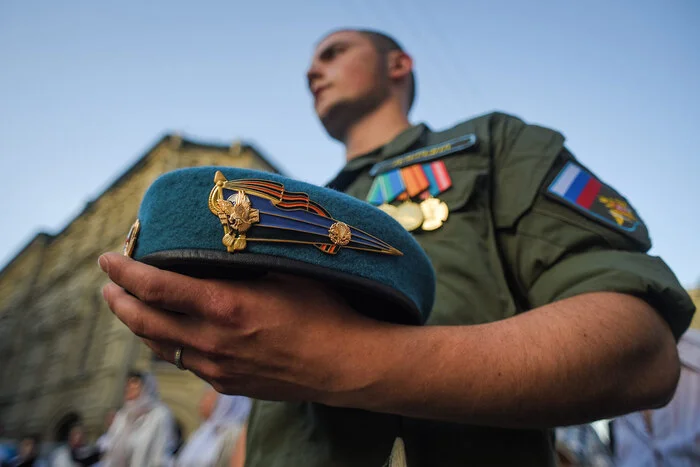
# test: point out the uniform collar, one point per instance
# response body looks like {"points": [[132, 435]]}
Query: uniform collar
{"points": [[398, 145], [405, 140]]}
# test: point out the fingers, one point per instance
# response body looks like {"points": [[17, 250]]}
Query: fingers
{"points": [[191, 359], [159, 288], [223, 378], [215, 372], [148, 322]]}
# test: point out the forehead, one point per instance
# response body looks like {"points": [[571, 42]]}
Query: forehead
{"points": [[352, 37]]}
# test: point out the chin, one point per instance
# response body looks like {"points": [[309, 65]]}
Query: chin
{"points": [[340, 115], [335, 127], [323, 109]]}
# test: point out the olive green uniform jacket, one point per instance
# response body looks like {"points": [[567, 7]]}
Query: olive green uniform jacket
{"points": [[509, 245]]}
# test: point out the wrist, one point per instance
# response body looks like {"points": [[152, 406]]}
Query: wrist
{"points": [[369, 372]]}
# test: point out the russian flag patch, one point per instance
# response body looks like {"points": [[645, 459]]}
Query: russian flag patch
{"points": [[580, 189], [576, 186]]}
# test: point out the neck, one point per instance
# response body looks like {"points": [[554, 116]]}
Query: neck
{"points": [[375, 129]]}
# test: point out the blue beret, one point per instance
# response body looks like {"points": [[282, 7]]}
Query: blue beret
{"points": [[236, 223]]}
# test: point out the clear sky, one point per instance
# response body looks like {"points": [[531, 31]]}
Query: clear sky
{"points": [[86, 87]]}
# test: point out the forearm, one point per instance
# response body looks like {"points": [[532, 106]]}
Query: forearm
{"points": [[573, 361]]}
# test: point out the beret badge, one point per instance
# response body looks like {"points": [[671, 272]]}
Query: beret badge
{"points": [[276, 215]]}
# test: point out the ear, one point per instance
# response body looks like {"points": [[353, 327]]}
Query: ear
{"points": [[400, 64]]}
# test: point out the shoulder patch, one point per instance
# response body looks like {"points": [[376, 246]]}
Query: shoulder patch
{"points": [[581, 190], [425, 154]]}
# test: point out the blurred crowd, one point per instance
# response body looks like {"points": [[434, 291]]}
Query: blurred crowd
{"points": [[143, 432], [665, 437]]}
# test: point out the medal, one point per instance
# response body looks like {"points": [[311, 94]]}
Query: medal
{"points": [[434, 212], [408, 214], [389, 209]]}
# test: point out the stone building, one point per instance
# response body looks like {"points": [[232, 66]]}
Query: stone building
{"points": [[64, 356]]}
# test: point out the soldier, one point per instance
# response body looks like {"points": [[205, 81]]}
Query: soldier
{"points": [[548, 310]]}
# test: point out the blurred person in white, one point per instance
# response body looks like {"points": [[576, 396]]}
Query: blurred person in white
{"points": [[76, 452], [669, 436], [62, 455], [103, 441], [580, 446], [142, 432], [212, 444]]}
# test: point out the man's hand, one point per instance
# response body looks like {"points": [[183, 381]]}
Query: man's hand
{"points": [[277, 338]]}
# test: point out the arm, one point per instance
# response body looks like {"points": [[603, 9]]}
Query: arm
{"points": [[573, 361]]}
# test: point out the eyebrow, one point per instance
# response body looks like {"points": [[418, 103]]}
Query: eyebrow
{"points": [[323, 54], [326, 50]]}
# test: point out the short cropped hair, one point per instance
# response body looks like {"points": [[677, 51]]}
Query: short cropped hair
{"points": [[385, 44]]}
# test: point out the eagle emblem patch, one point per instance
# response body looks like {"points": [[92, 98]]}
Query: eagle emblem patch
{"points": [[580, 189]]}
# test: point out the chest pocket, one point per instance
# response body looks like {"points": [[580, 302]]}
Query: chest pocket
{"points": [[467, 177], [471, 288]]}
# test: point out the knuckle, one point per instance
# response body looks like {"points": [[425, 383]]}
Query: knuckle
{"points": [[213, 341], [141, 325], [138, 325], [153, 291], [218, 303], [211, 347], [223, 305]]}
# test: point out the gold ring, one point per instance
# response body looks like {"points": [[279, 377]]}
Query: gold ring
{"points": [[178, 358]]}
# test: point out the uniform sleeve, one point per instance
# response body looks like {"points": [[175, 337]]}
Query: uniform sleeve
{"points": [[578, 235]]}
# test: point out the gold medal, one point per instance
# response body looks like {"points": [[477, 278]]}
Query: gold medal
{"points": [[435, 212], [389, 209], [408, 214]]}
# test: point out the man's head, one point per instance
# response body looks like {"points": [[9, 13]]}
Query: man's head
{"points": [[76, 437], [133, 386], [29, 446], [354, 72]]}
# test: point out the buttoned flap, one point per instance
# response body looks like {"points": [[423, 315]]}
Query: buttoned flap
{"points": [[466, 175]]}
